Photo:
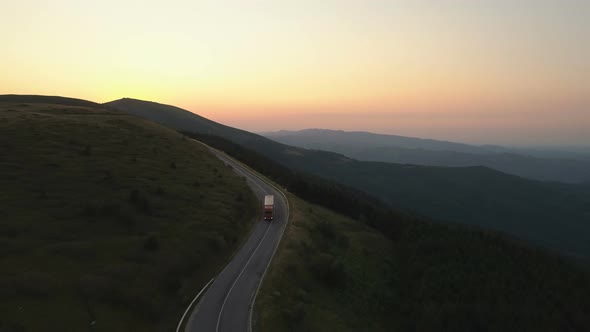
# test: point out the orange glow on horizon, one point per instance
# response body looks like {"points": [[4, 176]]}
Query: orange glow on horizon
{"points": [[361, 65]]}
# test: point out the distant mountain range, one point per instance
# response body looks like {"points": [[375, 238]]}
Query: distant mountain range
{"points": [[553, 214], [361, 139], [408, 150]]}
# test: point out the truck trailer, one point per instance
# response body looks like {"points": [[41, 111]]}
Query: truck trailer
{"points": [[269, 202]]}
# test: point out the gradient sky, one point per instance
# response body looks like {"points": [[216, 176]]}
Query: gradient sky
{"points": [[497, 71]]}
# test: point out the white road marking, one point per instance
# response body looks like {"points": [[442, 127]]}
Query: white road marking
{"points": [[253, 175], [191, 304], [239, 275]]}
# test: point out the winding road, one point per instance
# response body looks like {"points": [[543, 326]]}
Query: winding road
{"points": [[228, 303]]}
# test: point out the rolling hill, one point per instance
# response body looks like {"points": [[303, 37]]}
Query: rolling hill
{"points": [[332, 273], [109, 222], [360, 139], [550, 214], [407, 150], [53, 100]]}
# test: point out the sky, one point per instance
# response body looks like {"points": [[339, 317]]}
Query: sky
{"points": [[512, 72]]}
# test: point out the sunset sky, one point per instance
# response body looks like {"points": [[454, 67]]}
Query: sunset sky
{"points": [[495, 71]]}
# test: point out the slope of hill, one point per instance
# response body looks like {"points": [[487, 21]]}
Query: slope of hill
{"points": [[180, 119], [109, 222], [57, 100], [360, 139], [565, 152], [551, 214], [406, 150], [334, 274]]}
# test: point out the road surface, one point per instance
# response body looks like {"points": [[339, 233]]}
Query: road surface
{"points": [[227, 303]]}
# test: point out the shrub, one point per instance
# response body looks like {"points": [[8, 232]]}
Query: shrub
{"points": [[295, 313], [110, 209], [141, 203], [160, 191], [134, 196], [89, 210], [170, 283], [93, 286], [42, 194], [151, 243], [87, 150], [216, 242], [328, 269], [326, 229], [11, 327]]}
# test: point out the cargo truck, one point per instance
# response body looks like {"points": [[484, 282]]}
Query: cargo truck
{"points": [[269, 201]]}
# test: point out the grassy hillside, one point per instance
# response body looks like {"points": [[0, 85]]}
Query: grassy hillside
{"points": [[327, 275], [334, 274], [55, 100], [109, 218], [180, 119], [550, 214]]}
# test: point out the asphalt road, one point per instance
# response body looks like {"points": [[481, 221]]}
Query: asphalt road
{"points": [[227, 303]]}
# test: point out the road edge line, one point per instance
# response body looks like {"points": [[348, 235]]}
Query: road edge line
{"points": [[191, 304], [255, 173], [253, 300]]}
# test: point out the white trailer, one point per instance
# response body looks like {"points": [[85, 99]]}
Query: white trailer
{"points": [[269, 202]]}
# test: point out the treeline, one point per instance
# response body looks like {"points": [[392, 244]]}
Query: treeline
{"points": [[345, 200]]}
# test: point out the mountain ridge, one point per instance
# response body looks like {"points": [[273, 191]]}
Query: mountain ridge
{"points": [[407, 150], [46, 99], [386, 139], [553, 214]]}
